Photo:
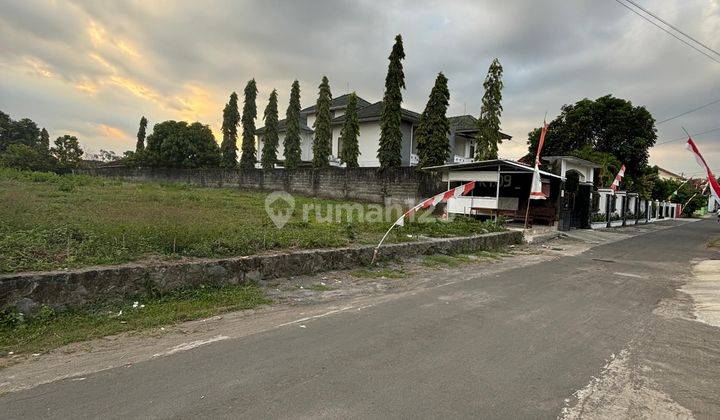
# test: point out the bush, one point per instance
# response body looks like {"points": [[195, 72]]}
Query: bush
{"points": [[22, 156]]}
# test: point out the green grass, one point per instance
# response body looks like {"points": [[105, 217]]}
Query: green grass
{"points": [[49, 329], [380, 272], [51, 222]]}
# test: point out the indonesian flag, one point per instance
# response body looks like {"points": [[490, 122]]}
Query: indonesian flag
{"points": [[712, 181], [536, 187], [616, 183], [434, 201]]}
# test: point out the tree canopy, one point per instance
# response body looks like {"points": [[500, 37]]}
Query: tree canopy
{"points": [[608, 124], [140, 145], [291, 143], [323, 133], [231, 119], [270, 138], [248, 157], [23, 145], [488, 137], [349, 134], [389, 151], [175, 144], [68, 152], [433, 145]]}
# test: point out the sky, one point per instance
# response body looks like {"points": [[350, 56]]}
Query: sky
{"points": [[93, 68]]}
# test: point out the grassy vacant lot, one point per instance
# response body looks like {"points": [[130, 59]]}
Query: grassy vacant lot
{"points": [[53, 222]]}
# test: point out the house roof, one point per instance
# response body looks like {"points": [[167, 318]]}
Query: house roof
{"points": [[467, 124], [282, 126], [337, 103], [572, 159], [372, 113], [491, 164], [670, 173]]}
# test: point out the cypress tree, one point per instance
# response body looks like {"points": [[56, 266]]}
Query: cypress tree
{"points": [[44, 140], [323, 133], [291, 144], [488, 136], [390, 134], [270, 138], [231, 119], [349, 134], [248, 157], [433, 145], [140, 146]]}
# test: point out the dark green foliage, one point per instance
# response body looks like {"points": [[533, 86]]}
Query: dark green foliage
{"points": [[488, 137], [22, 156], [291, 144], [609, 165], [175, 144], [349, 134], [23, 131], [433, 145], [270, 138], [664, 189], [607, 124], [248, 157], [24, 146], [389, 152], [44, 143], [68, 153], [140, 146], [231, 119], [323, 132]]}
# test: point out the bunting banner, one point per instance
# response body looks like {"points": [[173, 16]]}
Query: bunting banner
{"points": [[536, 186], [712, 181], [432, 201], [616, 183]]}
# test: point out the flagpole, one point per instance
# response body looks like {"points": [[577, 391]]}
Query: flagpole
{"points": [[537, 165]]}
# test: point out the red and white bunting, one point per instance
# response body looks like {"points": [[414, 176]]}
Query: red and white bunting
{"points": [[437, 199], [536, 186], [618, 177], [712, 181]]}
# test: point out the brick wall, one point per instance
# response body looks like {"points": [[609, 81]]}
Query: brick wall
{"points": [[373, 185]]}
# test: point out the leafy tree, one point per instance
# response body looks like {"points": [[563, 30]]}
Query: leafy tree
{"points": [[607, 124], [291, 144], [189, 146], [68, 152], [488, 137], [140, 146], [22, 156], [270, 139], [248, 157], [433, 145], [231, 119], [389, 152], [349, 134], [44, 144], [323, 133], [609, 165]]}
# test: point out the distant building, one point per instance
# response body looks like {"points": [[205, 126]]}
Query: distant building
{"points": [[463, 129], [667, 175]]}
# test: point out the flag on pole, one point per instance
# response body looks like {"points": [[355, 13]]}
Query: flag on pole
{"points": [[712, 181], [616, 183], [437, 199], [536, 186]]}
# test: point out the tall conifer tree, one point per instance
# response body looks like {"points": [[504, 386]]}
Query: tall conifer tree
{"points": [[248, 157], [270, 138], [140, 146], [349, 134], [433, 145], [323, 134], [231, 119], [389, 152], [291, 144], [488, 137]]}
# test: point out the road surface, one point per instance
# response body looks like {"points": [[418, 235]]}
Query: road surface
{"points": [[602, 333]]}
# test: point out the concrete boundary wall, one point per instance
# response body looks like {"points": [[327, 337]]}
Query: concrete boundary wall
{"points": [[406, 185], [28, 291]]}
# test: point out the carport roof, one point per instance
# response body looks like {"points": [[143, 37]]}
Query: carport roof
{"points": [[490, 164]]}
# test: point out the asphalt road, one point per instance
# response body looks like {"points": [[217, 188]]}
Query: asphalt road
{"points": [[508, 345]]}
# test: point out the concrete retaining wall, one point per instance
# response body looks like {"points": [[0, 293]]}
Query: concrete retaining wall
{"points": [[404, 186], [28, 291]]}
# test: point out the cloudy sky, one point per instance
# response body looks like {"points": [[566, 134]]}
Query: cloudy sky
{"points": [[92, 68]]}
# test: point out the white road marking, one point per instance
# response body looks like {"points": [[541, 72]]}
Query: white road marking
{"points": [[315, 316], [705, 291], [191, 345], [637, 276]]}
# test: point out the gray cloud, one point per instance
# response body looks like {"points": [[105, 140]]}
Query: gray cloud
{"points": [[181, 59]]}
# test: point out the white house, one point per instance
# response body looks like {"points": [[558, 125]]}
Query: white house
{"points": [[463, 129]]}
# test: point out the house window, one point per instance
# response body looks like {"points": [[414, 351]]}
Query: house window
{"points": [[472, 151]]}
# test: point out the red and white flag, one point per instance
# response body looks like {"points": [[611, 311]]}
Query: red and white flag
{"points": [[536, 186], [712, 181], [437, 199], [616, 183]]}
